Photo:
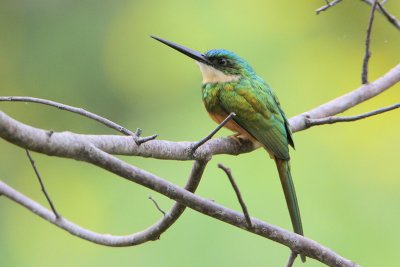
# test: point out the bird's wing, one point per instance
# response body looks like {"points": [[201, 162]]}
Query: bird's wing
{"points": [[258, 113], [278, 104]]}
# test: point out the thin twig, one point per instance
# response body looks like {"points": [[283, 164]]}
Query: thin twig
{"points": [[392, 19], [210, 135], [136, 136], [238, 194], [156, 204], [335, 119], [367, 55], [42, 184], [292, 258], [328, 5], [141, 140]]}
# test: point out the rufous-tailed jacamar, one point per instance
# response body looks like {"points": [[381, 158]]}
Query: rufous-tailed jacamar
{"points": [[231, 85]]}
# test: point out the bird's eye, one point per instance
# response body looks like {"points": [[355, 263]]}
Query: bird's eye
{"points": [[222, 61]]}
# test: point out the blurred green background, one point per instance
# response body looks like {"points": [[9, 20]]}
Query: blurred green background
{"points": [[98, 55]]}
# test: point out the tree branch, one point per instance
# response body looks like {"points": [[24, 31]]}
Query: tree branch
{"points": [[151, 233], [347, 101], [213, 132], [335, 119], [328, 5], [82, 112], [237, 192], [392, 19], [367, 55], [291, 259], [156, 204], [53, 208]]}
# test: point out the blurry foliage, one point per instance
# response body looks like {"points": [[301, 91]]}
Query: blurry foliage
{"points": [[98, 55]]}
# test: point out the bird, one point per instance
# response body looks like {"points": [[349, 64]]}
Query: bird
{"points": [[230, 85]]}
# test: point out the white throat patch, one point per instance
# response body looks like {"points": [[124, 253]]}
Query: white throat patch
{"points": [[212, 75]]}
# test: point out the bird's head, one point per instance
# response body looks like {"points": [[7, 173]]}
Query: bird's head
{"points": [[217, 65]]}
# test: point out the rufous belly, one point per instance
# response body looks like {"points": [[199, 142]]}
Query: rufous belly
{"points": [[231, 125]]}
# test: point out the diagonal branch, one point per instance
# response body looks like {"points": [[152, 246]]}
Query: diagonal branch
{"points": [[237, 192], [151, 233], [213, 132], [291, 259], [392, 19], [53, 208], [328, 5], [335, 119]]}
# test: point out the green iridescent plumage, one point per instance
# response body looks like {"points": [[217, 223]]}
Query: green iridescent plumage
{"points": [[231, 85]]}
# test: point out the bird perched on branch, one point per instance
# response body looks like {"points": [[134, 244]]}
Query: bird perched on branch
{"points": [[231, 85]]}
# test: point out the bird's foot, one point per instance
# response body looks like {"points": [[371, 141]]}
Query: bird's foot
{"points": [[238, 138]]}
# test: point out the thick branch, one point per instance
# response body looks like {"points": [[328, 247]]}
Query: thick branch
{"points": [[26, 136]]}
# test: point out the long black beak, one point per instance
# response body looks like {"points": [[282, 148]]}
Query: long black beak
{"points": [[184, 50]]}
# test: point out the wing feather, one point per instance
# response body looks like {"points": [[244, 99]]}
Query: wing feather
{"points": [[258, 113]]}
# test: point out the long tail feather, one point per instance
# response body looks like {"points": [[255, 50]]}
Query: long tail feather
{"points": [[290, 196]]}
